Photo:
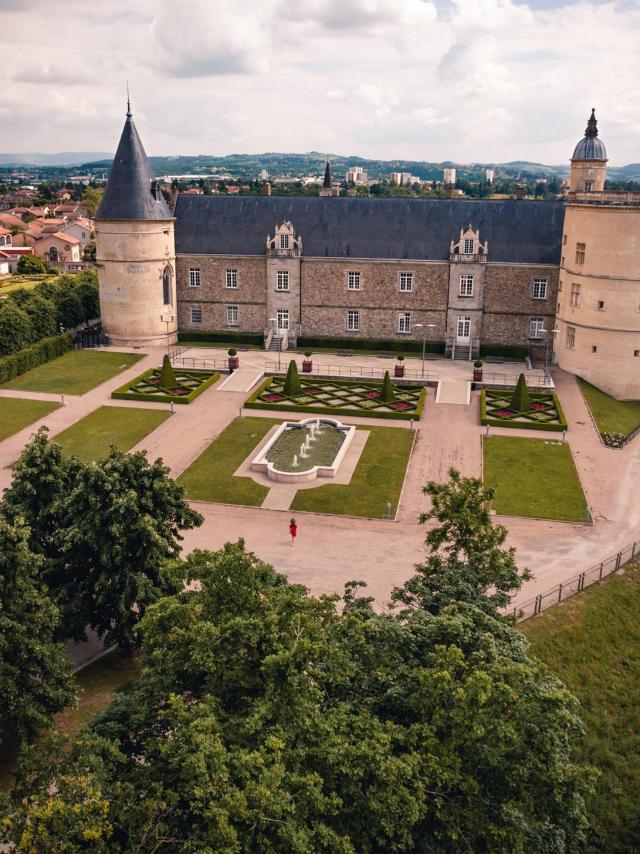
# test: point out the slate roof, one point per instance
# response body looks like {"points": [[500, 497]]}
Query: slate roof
{"points": [[418, 229], [590, 147], [129, 194]]}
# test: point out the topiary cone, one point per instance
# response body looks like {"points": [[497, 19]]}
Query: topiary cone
{"points": [[167, 374], [388, 395], [292, 384], [520, 400]]}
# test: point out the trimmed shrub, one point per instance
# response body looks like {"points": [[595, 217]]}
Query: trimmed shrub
{"points": [[292, 385], [29, 264], [167, 374], [382, 344], [388, 394], [127, 391], [520, 399], [37, 354], [222, 337], [506, 352]]}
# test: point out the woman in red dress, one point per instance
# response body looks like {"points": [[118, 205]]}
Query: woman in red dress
{"points": [[293, 530]]}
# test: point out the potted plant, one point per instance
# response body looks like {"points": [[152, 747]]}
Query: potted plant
{"points": [[233, 358], [399, 370], [477, 371], [307, 364]]}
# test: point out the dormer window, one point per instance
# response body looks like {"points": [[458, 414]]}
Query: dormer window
{"points": [[468, 246]]}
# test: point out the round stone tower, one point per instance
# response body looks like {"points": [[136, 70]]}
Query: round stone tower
{"points": [[589, 161], [135, 251]]}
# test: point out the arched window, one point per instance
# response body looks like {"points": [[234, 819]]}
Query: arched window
{"points": [[166, 285], [53, 254]]}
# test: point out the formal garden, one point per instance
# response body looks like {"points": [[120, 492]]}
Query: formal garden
{"points": [[167, 384], [521, 408], [617, 420], [534, 477], [370, 398], [373, 491]]}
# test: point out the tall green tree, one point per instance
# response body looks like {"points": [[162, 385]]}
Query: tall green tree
{"points": [[35, 676], [70, 310], [31, 265], [16, 331], [90, 299], [106, 531], [43, 315], [268, 720]]}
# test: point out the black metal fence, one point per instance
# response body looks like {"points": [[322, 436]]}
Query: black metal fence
{"points": [[576, 584]]}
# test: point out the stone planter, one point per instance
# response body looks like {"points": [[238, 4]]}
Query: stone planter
{"points": [[399, 371], [307, 366], [234, 361], [477, 375]]}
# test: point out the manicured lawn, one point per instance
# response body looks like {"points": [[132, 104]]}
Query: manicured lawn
{"points": [[377, 479], [15, 414], [76, 372], [210, 476], [611, 415], [533, 477], [592, 643], [97, 684], [124, 427]]}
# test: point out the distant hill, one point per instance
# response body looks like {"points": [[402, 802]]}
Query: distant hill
{"points": [[63, 158]]}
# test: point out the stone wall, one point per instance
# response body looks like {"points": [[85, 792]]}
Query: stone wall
{"points": [[509, 303]]}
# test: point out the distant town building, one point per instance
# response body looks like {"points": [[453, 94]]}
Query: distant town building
{"points": [[356, 175], [449, 176], [263, 175], [489, 175], [405, 179], [329, 187]]}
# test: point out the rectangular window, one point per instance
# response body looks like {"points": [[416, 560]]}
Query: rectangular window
{"points": [[282, 316], [536, 327], [232, 315], [353, 281], [588, 186], [231, 278], [571, 337], [406, 282], [283, 280], [353, 321], [560, 286], [581, 249], [540, 288], [564, 239], [284, 241], [468, 246], [575, 295], [194, 277], [195, 314], [466, 285], [404, 322], [594, 349], [600, 305]]}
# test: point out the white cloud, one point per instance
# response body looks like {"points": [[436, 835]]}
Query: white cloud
{"points": [[483, 80]]}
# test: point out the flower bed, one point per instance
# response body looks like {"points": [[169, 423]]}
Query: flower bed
{"points": [[545, 412], [189, 384], [339, 397]]}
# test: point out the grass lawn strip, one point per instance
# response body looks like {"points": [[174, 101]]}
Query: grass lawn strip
{"points": [[16, 414], [610, 415], [77, 372], [210, 476], [592, 643], [533, 477], [90, 438], [377, 479]]}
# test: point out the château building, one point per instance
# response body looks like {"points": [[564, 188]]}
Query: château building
{"points": [[470, 276]]}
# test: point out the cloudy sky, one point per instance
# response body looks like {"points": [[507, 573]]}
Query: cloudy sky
{"points": [[485, 80]]}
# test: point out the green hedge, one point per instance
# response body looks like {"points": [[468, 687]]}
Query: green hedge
{"points": [[384, 344], [222, 337], [123, 392], [252, 402], [524, 425], [37, 354], [507, 352]]}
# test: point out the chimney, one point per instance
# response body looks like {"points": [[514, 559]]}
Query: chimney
{"points": [[265, 189]]}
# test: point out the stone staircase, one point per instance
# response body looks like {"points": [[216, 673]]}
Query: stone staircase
{"points": [[275, 343], [462, 353]]}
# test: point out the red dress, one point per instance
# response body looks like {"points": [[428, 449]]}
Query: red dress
{"points": [[293, 530]]}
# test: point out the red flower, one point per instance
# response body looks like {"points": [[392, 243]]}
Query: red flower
{"points": [[311, 390], [539, 405], [272, 397], [372, 394], [400, 404], [504, 413], [179, 391]]}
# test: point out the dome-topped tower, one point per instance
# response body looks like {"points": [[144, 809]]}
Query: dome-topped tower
{"points": [[135, 250], [589, 161]]}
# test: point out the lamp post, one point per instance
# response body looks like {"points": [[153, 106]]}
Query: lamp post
{"points": [[167, 318], [424, 339], [274, 322], [550, 335]]}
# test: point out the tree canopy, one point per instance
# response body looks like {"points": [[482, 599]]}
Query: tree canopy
{"points": [[269, 720]]}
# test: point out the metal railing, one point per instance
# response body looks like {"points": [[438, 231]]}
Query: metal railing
{"points": [[541, 380], [574, 585], [201, 364], [357, 371]]}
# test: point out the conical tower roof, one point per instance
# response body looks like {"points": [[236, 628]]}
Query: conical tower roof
{"points": [[130, 193]]}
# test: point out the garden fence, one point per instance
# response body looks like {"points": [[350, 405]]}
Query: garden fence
{"points": [[576, 584], [202, 364]]}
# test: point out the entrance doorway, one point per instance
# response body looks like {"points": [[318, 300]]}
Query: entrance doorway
{"points": [[463, 330], [282, 316]]}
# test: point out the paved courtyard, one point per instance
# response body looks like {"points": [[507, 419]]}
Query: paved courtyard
{"points": [[331, 550]]}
